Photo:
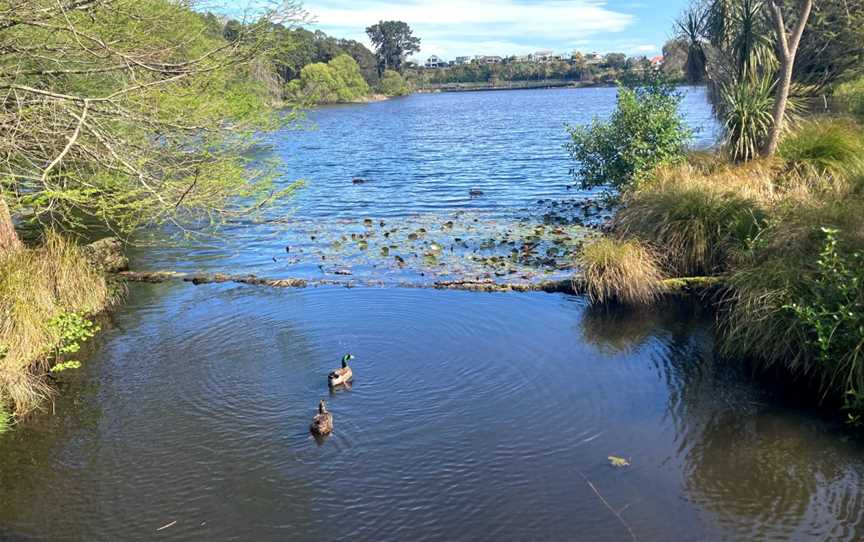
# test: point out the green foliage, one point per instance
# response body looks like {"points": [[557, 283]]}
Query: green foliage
{"points": [[65, 366], [5, 420], [393, 84], [850, 95], [393, 42], [338, 81], [830, 307], [71, 329], [748, 117], [833, 147], [617, 67], [151, 131], [698, 226], [43, 293], [645, 131]]}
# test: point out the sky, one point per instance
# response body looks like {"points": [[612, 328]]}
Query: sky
{"points": [[450, 28]]}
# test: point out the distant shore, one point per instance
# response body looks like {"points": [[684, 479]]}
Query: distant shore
{"points": [[510, 85]]}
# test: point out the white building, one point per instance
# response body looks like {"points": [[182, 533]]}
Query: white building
{"points": [[434, 62], [543, 55]]}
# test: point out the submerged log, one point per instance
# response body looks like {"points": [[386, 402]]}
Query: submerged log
{"points": [[692, 284], [572, 286], [151, 277]]}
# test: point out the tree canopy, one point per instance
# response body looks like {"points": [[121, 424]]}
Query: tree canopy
{"points": [[130, 113], [393, 42], [337, 81]]}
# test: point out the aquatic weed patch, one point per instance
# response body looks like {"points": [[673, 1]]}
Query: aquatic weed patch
{"points": [[426, 248]]}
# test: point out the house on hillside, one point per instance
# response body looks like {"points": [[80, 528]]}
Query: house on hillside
{"points": [[593, 59], [544, 55], [657, 62], [434, 62], [462, 60]]}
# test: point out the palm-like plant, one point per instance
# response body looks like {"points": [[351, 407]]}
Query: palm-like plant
{"points": [[691, 29], [747, 106]]}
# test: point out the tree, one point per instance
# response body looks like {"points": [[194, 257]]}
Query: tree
{"points": [[337, 81], [675, 54], [616, 61], [393, 41], [691, 27], [787, 49], [392, 84], [130, 113]]}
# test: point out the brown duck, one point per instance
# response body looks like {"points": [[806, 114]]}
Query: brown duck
{"points": [[322, 423], [342, 375]]}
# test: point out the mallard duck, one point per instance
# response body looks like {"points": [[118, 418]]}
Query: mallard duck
{"points": [[342, 375], [322, 423]]}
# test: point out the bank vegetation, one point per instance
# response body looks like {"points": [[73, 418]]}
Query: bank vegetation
{"points": [[773, 219], [118, 116]]}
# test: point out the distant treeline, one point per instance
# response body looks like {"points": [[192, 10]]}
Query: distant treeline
{"points": [[312, 67], [612, 68]]}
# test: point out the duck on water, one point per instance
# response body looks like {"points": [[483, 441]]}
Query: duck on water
{"points": [[343, 375], [322, 423]]}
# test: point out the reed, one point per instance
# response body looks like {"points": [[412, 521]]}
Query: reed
{"points": [[36, 286], [621, 271]]}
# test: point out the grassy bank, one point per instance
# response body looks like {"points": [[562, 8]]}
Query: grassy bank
{"points": [[45, 295], [786, 237]]}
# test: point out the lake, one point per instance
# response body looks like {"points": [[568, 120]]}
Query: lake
{"points": [[472, 416]]}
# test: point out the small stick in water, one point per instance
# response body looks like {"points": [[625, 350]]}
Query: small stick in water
{"points": [[162, 528]]}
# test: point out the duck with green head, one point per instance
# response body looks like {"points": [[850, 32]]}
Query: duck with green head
{"points": [[343, 375]]}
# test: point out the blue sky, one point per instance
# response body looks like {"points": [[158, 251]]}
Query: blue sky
{"points": [[450, 28]]}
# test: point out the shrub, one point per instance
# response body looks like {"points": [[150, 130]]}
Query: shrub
{"points": [[621, 271], [828, 147], [340, 80], [645, 131], [36, 287], [698, 223], [393, 84], [797, 300]]}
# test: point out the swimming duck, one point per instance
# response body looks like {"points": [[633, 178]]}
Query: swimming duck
{"points": [[342, 375], [322, 423]]}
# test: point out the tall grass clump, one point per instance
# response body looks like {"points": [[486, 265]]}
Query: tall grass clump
{"points": [[797, 301], [4, 420], [851, 96], [36, 287], [696, 221], [826, 147], [621, 271]]}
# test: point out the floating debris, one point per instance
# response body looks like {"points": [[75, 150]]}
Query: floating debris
{"points": [[618, 462]]}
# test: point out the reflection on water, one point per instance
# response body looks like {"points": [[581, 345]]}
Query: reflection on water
{"points": [[472, 416]]}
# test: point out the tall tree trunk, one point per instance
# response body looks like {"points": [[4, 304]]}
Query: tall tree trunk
{"points": [[8, 237], [787, 49]]}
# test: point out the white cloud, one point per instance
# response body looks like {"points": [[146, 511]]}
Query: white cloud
{"points": [[645, 49], [452, 27]]}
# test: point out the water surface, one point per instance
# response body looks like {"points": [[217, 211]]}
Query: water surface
{"points": [[472, 416], [421, 157]]}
